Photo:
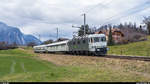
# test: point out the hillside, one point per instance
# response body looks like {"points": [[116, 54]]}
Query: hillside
{"points": [[14, 35], [134, 49]]}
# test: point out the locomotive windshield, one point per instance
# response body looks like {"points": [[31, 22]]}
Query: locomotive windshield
{"points": [[103, 39], [99, 39], [96, 39]]}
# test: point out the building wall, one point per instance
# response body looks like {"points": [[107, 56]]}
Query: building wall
{"points": [[117, 35]]}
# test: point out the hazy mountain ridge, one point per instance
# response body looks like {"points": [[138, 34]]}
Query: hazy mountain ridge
{"points": [[14, 35]]}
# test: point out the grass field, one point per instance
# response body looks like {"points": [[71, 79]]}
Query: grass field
{"points": [[134, 49], [20, 66], [16, 65]]}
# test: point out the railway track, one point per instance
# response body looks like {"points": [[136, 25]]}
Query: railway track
{"points": [[141, 58]]}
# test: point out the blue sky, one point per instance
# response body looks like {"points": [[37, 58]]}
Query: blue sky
{"points": [[44, 16]]}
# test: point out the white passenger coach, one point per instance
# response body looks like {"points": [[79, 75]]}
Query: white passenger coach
{"points": [[40, 49], [58, 47]]}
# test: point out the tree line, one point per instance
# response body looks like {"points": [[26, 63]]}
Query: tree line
{"points": [[133, 32], [6, 46]]}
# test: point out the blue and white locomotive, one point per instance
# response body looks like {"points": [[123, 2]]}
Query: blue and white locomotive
{"points": [[94, 44]]}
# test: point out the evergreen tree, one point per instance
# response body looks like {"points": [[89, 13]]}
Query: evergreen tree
{"points": [[110, 38]]}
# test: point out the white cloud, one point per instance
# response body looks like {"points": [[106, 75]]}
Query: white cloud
{"points": [[43, 16]]}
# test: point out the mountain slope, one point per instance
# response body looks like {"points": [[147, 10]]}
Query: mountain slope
{"points": [[30, 38], [14, 35]]}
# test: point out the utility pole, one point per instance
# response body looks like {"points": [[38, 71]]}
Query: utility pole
{"points": [[57, 33], [84, 23]]}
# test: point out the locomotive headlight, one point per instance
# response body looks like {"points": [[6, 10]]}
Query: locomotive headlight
{"points": [[98, 49]]}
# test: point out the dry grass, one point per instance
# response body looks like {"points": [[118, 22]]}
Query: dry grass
{"points": [[122, 65], [122, 69]]}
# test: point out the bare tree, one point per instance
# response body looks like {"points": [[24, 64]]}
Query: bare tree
{"points": [[48, 41], [147, 22], [61, 39]]}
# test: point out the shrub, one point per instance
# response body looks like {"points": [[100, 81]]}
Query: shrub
{"points": [[6, 46]]}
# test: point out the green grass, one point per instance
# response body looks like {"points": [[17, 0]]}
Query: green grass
{"points": [[18, 61], [19, 66], [134, 49], [16, 65], [14, 52]]}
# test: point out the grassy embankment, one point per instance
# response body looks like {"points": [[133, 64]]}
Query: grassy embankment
{"points": [[133, 49]]}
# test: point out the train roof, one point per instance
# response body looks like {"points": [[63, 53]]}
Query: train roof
{"points": [[58, 43], [97, 35], [39, 46], [91, 35]]}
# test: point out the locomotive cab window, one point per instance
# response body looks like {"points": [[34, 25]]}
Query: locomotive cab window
{"points": [[92, 40], [103, 39], [96, 39]]}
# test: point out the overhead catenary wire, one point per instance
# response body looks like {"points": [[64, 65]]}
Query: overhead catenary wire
{"points": [[129, 11], [147, 3], [108, 19], [95, 6], [99, 4], [84, 14]]}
